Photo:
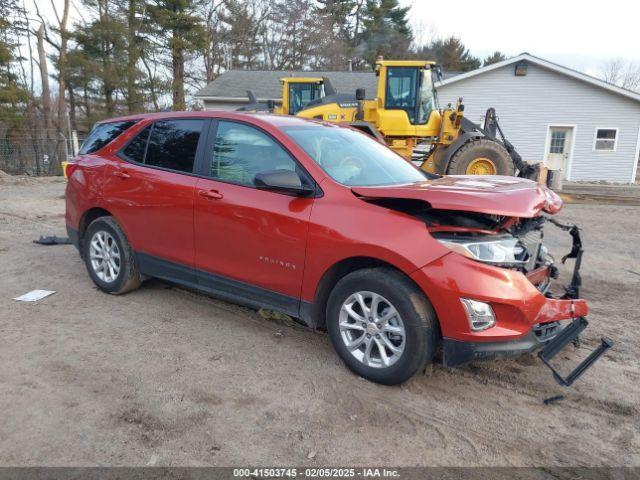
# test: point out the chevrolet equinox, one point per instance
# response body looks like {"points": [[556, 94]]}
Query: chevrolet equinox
{"points": [[327, 225]]}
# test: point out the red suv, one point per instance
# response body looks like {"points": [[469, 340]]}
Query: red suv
{"points": [[325, 224]]}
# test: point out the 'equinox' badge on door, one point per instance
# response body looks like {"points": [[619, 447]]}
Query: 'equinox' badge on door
{"points": [[275, 261]]}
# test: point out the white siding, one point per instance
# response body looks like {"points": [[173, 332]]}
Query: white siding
{"points": [[527, 105]]}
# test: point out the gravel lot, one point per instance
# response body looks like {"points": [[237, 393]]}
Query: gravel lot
{"points": [[163, 376]]}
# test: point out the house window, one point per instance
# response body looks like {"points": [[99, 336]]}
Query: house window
{"points": [[606, 139], [558, 139]]}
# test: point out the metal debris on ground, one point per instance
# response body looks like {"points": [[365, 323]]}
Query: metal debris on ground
{"points": [[554, 399], [35, 295], [52, 240]]}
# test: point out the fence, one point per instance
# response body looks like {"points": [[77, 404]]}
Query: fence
{"points": [[34, 155]]}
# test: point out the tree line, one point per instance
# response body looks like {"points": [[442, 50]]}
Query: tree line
{"points": [[127, 56]]}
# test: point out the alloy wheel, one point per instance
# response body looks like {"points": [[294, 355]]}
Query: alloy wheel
{"points": [[372, 329], [105, 256]]}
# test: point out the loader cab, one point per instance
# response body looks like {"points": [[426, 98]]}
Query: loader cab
{"points": [[297, 92], [407, 86]]}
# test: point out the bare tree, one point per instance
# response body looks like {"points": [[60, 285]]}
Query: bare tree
{"points": [[45, 96], [213, 38], [621, 73], [62, 61]]}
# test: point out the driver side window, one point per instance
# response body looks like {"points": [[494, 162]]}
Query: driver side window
{"points": [[240, 152]]}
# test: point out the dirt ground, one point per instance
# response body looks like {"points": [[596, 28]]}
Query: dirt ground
{"points": [[163, 376]]}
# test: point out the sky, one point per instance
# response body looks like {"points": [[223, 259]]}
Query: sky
{"points": [[578, 34], [582, 35]]}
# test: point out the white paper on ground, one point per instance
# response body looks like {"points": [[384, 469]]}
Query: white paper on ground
{"points": [[35, 295]]}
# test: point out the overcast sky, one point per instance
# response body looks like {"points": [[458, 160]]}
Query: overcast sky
{"points": [[577, 34]]}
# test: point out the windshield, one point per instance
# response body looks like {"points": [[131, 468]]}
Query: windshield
{"points": [[353, 158]]}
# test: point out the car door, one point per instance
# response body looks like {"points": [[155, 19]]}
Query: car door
{"points": [[150, 191], [250, 244]]}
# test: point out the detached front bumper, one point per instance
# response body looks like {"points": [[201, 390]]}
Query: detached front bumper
{"points": [[458, 352]]}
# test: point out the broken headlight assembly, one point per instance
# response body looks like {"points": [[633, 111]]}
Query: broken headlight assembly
{"points": [[499, 250]]}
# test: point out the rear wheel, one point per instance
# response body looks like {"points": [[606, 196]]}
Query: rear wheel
{"points": [[381, 325], [481, 157], [109, 258]]}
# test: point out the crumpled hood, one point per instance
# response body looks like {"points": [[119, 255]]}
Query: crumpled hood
{"points": [[491, 194]]}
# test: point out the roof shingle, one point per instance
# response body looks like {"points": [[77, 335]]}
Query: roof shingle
{"points": [[266, 83]]}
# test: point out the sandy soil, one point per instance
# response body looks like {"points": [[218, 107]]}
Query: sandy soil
{"points": [[163, 376]]}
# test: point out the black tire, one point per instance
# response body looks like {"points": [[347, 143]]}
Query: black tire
{"points": [[481, 147], [419, 319], [128, 278]]}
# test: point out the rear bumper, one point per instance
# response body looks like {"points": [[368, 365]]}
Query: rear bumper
{"points": [[74, 237]]}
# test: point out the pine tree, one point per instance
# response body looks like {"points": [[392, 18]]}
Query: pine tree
{"points": [[179, 31], [12, 93], [386, 30], [495, 57], [336, 15], [452, 55], [242, 27], [102, 51]]}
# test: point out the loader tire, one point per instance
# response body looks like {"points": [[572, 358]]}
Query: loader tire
{"points": [[481, 157]]}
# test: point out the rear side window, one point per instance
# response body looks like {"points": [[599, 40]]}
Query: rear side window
{"points": [[102, 134], [170, 144], [173, 144]]}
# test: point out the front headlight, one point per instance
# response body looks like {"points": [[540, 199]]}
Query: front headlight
{"points": [[497, 250]]}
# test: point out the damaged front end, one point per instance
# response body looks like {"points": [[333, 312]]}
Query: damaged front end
{"points": [[520, 246], [502, 227]]}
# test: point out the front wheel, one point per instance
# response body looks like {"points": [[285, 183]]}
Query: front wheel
{"points": [[381, 325]]}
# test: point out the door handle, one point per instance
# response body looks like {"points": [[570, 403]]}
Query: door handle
{"points": [[122, 174], [210, 194]]}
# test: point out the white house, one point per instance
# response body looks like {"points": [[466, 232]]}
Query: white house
{"points": [[588, 128]]}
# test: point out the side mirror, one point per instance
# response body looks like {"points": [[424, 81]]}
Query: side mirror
{"points": [[284, 181]]}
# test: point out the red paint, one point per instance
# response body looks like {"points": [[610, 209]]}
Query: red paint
{"points": [[251, 235], [286, 244], [154, 208]]}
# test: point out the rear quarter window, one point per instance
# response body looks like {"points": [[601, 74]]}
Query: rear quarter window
{"points": [[137, 147], [102, 134]]}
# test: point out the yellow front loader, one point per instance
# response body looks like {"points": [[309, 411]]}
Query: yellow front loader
{"points": [[405, 113]]}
